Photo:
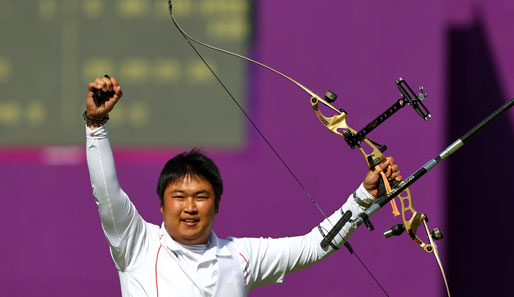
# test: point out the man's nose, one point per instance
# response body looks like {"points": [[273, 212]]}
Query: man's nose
{"points": [[190, 206]]}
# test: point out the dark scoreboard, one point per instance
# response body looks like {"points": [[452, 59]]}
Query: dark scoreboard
{"points": [[51, 49]]}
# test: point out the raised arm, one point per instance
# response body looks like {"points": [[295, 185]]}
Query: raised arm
{"points": [[120, 221]]}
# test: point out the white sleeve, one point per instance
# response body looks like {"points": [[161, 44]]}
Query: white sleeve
{"points": [[268, 260], [123, 226]]}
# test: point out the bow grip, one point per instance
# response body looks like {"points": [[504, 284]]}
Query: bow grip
{"points": [[381, 187]]}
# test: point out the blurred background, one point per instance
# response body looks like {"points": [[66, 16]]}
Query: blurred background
{"points": [[459, 50]]}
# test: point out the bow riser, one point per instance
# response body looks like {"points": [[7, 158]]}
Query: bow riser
{"points": [[416, 218], [338, 122]]}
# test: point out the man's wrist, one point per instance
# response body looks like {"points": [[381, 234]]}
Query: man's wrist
{"points": [[363, 197], [94, 122]]}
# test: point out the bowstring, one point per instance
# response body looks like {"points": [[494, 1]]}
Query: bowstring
{"points": [[275, 152], [260, 132], [189, 40]]}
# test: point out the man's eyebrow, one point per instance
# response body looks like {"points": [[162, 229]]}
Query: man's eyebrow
{"points": [[196, 193]]}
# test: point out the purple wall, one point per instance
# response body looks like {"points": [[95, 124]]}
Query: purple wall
{"points": [[53, 244]]}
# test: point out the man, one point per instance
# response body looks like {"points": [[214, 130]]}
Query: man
{"points": [[184, 257]]}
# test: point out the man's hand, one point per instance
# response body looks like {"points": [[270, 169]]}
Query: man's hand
{"points": [[373, 177], [100, 110]]}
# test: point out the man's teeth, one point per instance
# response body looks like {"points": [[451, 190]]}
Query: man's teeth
{"points": [[190, 221]]}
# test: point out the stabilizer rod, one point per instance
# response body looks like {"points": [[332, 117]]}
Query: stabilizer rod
{"points": [[452, 148]]}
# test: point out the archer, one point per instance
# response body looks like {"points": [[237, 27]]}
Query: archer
{"points": [[183, 256]]}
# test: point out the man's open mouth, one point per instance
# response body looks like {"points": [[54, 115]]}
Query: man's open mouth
{"points": [[190, 222]]}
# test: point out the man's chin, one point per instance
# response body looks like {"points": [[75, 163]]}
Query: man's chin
{"points": [[192, 239]]}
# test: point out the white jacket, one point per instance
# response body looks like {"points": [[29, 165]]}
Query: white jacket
{"points": [[151, 263]]}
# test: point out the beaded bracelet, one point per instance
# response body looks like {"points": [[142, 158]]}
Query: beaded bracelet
{"points": [[92, 121]]}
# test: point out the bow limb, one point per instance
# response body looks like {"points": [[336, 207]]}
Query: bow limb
{"points": [[190, 39], [438, 259]]}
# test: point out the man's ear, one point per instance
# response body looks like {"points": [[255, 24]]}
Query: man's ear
{"points": [[161, 209]]}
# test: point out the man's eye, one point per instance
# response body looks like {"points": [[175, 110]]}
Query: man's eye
{"points": [[177, 196], [202, 197]]}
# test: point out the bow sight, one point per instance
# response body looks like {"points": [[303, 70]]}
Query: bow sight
{"points": [[408, 97]]}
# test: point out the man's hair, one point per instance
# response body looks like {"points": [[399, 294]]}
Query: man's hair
{"points": [[193, 163]]}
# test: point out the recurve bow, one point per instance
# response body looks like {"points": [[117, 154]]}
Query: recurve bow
{"points": [[338, 125]]}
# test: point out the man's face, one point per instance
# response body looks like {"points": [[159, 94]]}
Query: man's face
{"points": [[188, 210]]}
